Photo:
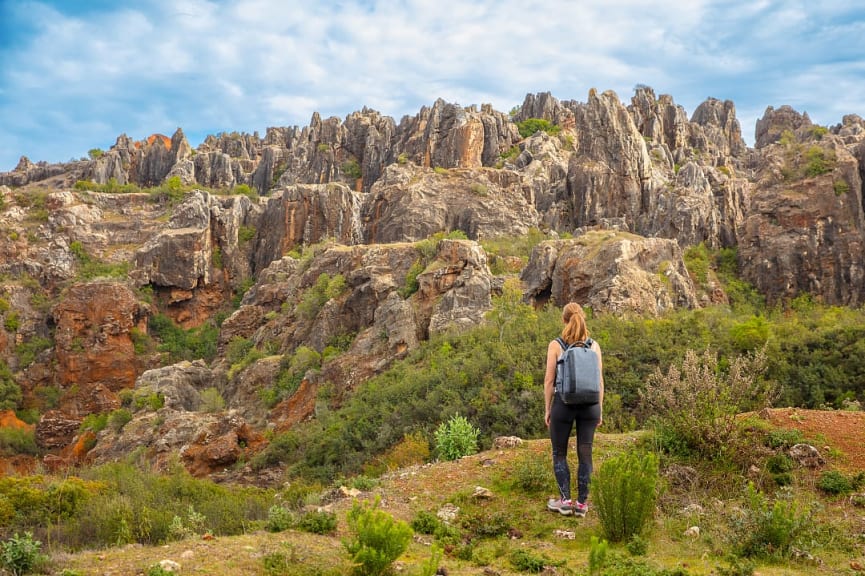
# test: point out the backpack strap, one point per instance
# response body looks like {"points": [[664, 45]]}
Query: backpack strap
{"points": [[588, 343], [562, 343]]}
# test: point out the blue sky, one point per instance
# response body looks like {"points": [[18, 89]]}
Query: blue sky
{"points": [[74, 74]]}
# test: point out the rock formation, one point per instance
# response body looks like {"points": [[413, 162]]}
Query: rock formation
{"points": [[335, 250]]}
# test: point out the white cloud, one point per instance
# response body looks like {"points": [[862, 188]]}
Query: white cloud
{"points": [[209, 66]]}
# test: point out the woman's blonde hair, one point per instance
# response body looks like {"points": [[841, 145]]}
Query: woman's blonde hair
{"points": [[575, 329]]}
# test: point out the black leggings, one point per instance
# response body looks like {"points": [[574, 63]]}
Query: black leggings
{"points": [[562, 418]]}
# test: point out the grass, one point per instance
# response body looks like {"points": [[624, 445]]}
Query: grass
{"points": [[513, 519]]}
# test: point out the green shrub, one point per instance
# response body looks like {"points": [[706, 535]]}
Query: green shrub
{"points": [[834, 483], [425, 523], [778, 463], [158, 570], [352, 169], [211, 400], [317, 522], [637, 545], [818, 161], [456, 438], [95, 423], [377, 539], [119, 418], [10, 391], [841, 187], [528, 561], [597, 555], [245, 190], [784, 438], [279, 519], [411, 284], [19, 554], [315, 297], [531, 125], [625, 494], [697, 404], [531, 474], [765, 528], [17, 441], [245, 234], [11, 322], [182, 344]]}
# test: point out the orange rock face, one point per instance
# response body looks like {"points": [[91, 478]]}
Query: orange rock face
{"points": [[93, 341]]}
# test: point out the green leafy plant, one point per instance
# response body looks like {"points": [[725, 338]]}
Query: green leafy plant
{"points": [[527, 561], [377, 539], [17, 441], [20, 554], [625, 494], [456, 438], [119, 418], [352, 169], [597, 555], [279, 518], [317, 522], [10, 391], [835, 483], [765, 528], [531, 474], [531, 125]]}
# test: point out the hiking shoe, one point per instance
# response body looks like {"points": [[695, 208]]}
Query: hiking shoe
{"points": [[580, 509], [563, 507]]}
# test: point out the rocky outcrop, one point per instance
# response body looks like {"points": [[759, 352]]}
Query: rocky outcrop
{"points": [[775, 122], [93, 342], [200, 257], [411, 203], [610, 271], [805, 232], [56, 430]]}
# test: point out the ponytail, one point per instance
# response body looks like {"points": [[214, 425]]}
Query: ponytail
{"points": [[575, 329]]}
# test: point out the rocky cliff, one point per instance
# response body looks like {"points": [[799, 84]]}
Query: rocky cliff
{"points": [[322, 254]]}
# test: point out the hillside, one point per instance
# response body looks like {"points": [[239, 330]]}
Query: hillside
{"points": [[527, 525], [301, 302]]}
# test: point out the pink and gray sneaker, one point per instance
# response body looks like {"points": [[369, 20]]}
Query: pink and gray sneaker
{"points": [[580, 509], [563, 507]]}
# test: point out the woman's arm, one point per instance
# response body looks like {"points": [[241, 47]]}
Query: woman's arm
{"points": [[597, 348], [553, 350]]}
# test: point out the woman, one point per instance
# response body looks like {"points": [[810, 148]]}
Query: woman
{"points": [[560, 417]]}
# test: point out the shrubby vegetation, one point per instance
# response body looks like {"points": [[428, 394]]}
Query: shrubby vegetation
{"points": [[531, 125], [182, 344], [120, 503]]}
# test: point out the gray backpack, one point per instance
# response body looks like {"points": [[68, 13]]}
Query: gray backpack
{"points": [[578, 373]]}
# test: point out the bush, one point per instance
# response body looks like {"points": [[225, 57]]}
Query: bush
{"points": [[531, 125], [10, 391], [279, 518], [767, 529], [119, 418], [20, 554], [456, 438], [625, 494], [835, 483], [426, 523], [211, 400], [352, 169], [696, 406], [527, 561], [317, 522], [377, 539], [531, 474], [17, 441]]}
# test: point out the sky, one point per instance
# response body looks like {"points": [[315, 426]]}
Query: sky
{"points": [[75, 74]]}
